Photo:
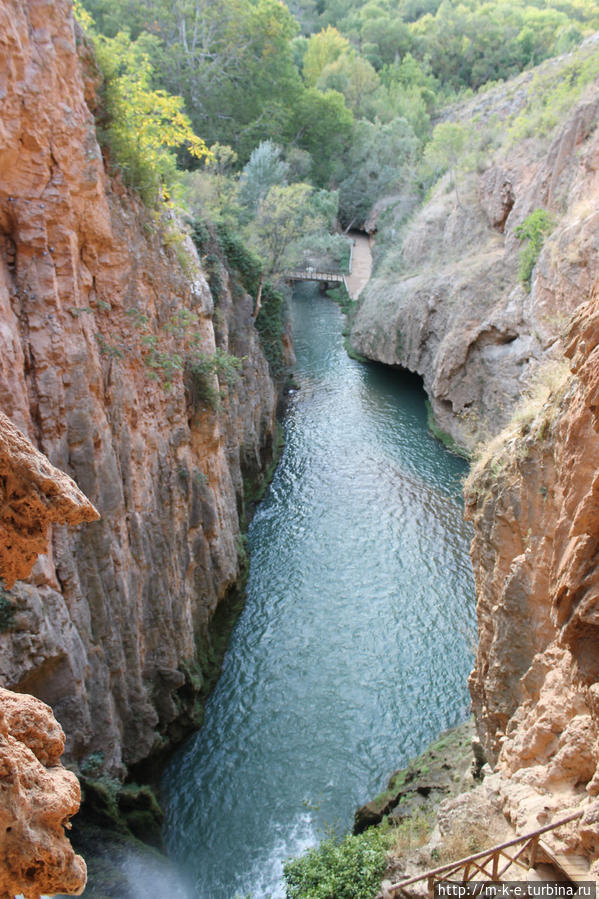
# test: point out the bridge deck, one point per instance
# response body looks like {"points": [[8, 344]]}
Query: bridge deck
{"points": [[314, 276]]}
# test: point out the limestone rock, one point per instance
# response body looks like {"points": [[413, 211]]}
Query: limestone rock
{"points": [[37, 795], [446, 300], [535, 685], [37, 798], [34, 494]]}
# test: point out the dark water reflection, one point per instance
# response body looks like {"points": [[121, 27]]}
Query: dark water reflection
{"points": [[354, 647]]}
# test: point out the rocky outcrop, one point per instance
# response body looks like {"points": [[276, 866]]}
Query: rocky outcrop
{"points": [[100, 303], [534, 502], [34, 494], [37, 795], [38, 798], [446, 300]]}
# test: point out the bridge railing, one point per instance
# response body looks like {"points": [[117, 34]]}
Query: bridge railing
{"points": [[488, 865], [308, 275]]}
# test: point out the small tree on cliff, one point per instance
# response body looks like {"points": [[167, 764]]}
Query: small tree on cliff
{"points": [[449, 151], [533, 229]]}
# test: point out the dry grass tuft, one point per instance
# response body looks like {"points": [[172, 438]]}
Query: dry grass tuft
{"points": [[411, 834], [532, 416]]}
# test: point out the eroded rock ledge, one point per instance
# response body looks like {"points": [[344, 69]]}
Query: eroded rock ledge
{"points": [[37, 798], [33, 494]]}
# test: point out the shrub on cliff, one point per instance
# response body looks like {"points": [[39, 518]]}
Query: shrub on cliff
{"points": [[534, 229], [350, 869]]}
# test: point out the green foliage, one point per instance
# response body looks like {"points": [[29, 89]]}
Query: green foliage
{"points": [[264, 169], [378, 162], [7, 611], [232, 61], [240, 258], [354, 77], [201, 372], [534, 229], [282, 215], [449, 148], [322, 125], [349, 869], [271, 328], [141, 126], [323, 49]]}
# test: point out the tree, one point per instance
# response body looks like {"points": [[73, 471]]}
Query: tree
{"points": [[447, 150], [283, 215], [212, 192], [143, 126], [322, 125], [355, 78], [376, 164], [232, 60], [264, 169], [323, 49]]}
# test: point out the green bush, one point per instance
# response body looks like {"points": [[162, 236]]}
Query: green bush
{"points": [[270, 328], [534, 229], [349, 869], [7, 611], [200, 370]]}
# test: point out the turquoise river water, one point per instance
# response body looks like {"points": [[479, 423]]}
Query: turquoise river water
{"points": [[354, 647]]}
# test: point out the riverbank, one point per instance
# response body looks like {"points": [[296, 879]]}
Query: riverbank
{"points": [[450, 765], [435, 809]]}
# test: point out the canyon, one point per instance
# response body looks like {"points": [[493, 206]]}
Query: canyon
{"points": [[121, 624]]}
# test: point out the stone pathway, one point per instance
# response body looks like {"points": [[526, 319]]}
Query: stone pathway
{"points": [[361, 265]]}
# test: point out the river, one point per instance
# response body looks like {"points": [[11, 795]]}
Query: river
{"points": [[354, 647]]}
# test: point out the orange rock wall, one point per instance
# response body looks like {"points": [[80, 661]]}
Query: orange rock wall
{"points": [[535, 686], [108, 627]]}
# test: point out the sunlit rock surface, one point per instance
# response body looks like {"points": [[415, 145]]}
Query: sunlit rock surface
{"points": [[535, 686]]}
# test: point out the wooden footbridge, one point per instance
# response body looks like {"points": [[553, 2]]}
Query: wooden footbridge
{"points": [[310, 274], [491, 865]]}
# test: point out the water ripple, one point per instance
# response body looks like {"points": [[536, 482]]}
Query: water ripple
{"points": [[354, 647]]}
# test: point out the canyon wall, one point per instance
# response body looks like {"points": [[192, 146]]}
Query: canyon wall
{"points": [[117, 626], [534, 503], [446, 301]]}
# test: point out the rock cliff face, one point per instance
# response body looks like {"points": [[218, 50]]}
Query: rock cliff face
{"points": [[446, 301], [115, 628], [534, 503]]}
